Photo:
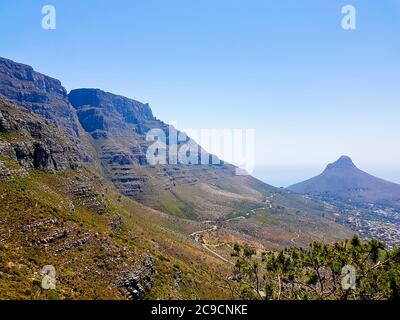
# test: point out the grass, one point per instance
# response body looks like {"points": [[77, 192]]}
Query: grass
{"points": [[9, 163], [10, 136], [90, 271]]}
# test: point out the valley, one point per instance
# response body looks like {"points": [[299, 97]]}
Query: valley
{"points": [[78, 193], [368, 220]]}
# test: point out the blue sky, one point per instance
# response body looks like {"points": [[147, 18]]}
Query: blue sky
{"points": [[311, 90]]}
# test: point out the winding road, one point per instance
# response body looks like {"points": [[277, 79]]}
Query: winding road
{"points": [[296, 237], [198, 235]]}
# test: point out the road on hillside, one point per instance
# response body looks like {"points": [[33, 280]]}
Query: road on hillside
{"points": [[198, 235]]}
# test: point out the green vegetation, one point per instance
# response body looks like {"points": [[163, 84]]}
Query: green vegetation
{"points": [[8, 162], [35, 206], [10, 136], [183, 270], [352, 269]]}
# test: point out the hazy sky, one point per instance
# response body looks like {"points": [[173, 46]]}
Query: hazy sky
{"points": [[311, 90]]}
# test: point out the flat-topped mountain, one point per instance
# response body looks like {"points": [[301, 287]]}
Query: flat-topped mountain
{"points": [[100, 111], [171, 207], [115, 222], [342, 179]]}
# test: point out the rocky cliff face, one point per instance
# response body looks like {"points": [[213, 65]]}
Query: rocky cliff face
{"points": [[119, 126], [33, 142], [45, 97], [99, 112], [39, 93], [95, 237]]}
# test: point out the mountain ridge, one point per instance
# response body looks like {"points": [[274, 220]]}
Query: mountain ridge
{"points": [[114, 226], [123, 227]]}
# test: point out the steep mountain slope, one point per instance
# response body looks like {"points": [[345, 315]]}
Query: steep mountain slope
{"points": [[32, 142], [199, 192], [119, 126], [342, 179], [45, 97], [88, 202], [101, 244]]}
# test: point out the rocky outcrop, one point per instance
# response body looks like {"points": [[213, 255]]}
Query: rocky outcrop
{"points": [[4, 171], [84, 192], [135, 285], [34, 142], [54, 236], [74, 244], [116, 223], [38, 224]]}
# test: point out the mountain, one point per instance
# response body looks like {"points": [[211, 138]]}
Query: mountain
{"points": [[56, 211], [34, 143], [45, 97], [77, 192], [342, 179], [119, 125], [200, 192]]}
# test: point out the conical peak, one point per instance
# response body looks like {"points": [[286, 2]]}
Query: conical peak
{"points": [[344, 162]]}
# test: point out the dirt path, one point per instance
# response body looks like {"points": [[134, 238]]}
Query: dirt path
{"points": [[216, 254], [296, 237], [198, 235]]}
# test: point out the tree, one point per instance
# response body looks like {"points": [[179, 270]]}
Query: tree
{"points": [[320, 272]]}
